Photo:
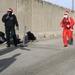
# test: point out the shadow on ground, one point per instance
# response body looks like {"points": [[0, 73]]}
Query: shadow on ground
{"points": [[4, 63], [10, 49], [7, 50]]}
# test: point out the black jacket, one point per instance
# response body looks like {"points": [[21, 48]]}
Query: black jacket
{"points": [[11, 21]]}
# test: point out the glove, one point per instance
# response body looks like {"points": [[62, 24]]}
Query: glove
{"points": [[17, 27], [71, 29], [68, 26]]}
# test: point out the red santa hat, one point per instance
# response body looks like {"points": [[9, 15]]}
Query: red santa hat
{"points": [[10, 9], [67, 12]]}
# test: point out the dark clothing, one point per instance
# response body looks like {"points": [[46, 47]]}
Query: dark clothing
{"points": [[10, 22], [2, 34], [7, 30], [2, 37], [31, 36]]}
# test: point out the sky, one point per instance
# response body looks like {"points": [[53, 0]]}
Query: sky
{"points": [[63, 3]]}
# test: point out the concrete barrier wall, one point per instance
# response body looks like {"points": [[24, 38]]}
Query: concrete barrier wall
{"points": [[46, 18], [4, 4], [42, 18]]}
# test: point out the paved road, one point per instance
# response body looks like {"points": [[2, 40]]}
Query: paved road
{"points": [[47, 57]]}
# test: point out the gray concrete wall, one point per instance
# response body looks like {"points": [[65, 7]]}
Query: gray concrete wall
{"points": [[46, 19], [42, 18], [4, 4]]}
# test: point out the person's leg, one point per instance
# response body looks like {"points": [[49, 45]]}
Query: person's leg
{"points": [[8, 36], [70, 36], [14, 36], [65, 37]]}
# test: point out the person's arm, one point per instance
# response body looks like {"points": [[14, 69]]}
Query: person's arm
{"points": [[16, 22], [61, 24], [5, 18], [71, 22]]}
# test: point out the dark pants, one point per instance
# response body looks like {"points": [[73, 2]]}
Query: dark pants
{"points": [[12, 30]]}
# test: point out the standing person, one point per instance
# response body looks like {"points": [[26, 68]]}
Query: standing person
{"points": [[67, 24], [10, 20]]}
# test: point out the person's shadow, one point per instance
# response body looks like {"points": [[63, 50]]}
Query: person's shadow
{"points": [[4, 63], [6, 50], [10, 49]]}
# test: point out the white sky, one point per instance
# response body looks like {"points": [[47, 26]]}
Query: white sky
{"points": [[63, 3]]}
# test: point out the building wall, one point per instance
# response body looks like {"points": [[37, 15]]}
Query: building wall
{"points": [[42, 18]]}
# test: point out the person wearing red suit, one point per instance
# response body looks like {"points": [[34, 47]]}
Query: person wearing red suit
{"points": [[67, 24]]}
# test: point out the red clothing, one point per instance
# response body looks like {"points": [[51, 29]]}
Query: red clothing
{"points": [[67, 30], [69, 21], [67, 33]]}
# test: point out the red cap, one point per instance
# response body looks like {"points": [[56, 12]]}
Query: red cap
{"points": [[10, 9], [66, 12]]}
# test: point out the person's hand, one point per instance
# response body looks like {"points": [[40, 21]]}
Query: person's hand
{"points": [[17, 27], [7, 17], [71, 29], [68, 26]]}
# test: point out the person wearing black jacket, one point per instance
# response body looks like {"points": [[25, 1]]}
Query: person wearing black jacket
{"points": [[10, 20]]}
